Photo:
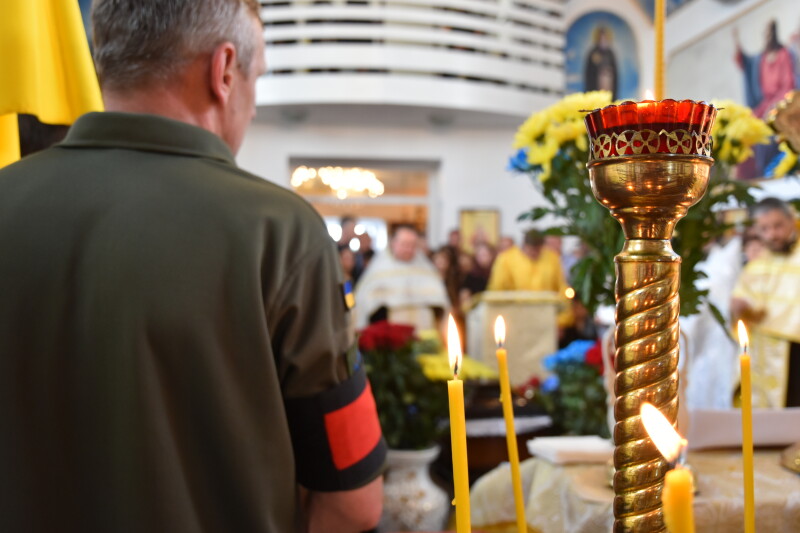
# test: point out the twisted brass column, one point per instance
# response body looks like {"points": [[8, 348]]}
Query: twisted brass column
{"points": [[647, 194]]}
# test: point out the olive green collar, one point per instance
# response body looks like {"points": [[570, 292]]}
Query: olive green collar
{"points": [[150, 133]]}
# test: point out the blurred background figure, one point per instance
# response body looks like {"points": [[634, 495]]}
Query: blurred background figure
{"points": [[554, 242], [401, 285], [567, 256], [454, 239], [752, 245], [533, 267], [424, 246], [446, 263], [477, 278], [366, 251], [347, 258], [348, 225], [583, 326], [349, 239], [505, 243], [765, 298]]}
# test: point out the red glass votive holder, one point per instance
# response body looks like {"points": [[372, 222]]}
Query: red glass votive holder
{"points": [[649, 127]]}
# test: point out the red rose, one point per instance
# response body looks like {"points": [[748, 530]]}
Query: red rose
{"points": [[385, 336], [594, 356], [366, 341], [399, 335]]}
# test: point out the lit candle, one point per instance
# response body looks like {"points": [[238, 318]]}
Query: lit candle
{"points": [[659, 32], [458, 431], [508, 414], [678, 494], [747, 433]]}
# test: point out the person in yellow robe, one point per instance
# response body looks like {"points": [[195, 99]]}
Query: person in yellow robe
{"points": [[532, 267], [766, 299]]}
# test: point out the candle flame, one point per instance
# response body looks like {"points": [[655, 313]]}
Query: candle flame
{"points": [[649, 95], [500, 331], [453, 345], [569, 293], [744, 340], [664, 436]]}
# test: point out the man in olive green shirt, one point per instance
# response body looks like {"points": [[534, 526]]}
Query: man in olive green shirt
{"points": [[173, 332]]}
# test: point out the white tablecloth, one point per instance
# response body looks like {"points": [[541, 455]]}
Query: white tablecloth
{"points": [[577, 498]]}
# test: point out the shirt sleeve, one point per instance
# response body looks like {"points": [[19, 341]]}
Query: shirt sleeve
{"points": [[333, 420]]}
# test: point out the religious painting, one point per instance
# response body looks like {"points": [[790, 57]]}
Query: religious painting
{"points": [[479, 225], [601, 54], [753, 59]]}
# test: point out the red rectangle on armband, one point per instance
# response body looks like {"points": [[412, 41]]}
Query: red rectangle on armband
{"points": [[353, 430]]}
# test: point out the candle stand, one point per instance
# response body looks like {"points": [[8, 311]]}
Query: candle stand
{"points": [[649, 162]]}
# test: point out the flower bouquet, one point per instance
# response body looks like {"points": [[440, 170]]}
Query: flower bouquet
{"points": [[574, 394], [407, 375], [552, 148]]}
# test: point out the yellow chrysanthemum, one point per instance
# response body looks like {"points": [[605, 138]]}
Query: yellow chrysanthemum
{"points": [[541, 153], [532, 129], [566, 116], [736, 130], [436, 367]]}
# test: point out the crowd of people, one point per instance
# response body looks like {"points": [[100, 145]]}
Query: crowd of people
{"points": [[411, 283]]}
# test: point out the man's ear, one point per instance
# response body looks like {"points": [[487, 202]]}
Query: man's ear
{"points": [[223, 66]]}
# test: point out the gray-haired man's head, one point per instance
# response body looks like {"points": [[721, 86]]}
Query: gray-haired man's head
{"points": [[139, 42]]}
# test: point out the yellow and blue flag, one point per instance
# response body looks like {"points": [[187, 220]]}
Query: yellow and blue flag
{"points": [[349, 297], [46, 69]]}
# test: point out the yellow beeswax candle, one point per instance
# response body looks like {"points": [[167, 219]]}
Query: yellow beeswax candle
{"points": [[747, 434], [658, 26], [678, 498], [458, 432], [678, 491], [508, 415]]}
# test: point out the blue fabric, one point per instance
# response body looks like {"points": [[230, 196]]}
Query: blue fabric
{"points": [[752, 81]]}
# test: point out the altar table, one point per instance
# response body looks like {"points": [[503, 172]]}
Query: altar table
{"points": [[578, 498]]}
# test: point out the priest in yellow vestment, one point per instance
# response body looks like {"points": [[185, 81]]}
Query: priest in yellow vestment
{"points": [[533, 267], [767, 298]]}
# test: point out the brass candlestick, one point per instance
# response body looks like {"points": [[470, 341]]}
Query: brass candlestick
{"points": [[647, 176]]}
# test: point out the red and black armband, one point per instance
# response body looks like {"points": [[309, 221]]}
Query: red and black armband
{"points": [[337, 437]]}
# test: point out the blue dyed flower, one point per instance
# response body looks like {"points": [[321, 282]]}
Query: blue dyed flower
{"points": [[550, 384], [575, 352], [519, 161]]}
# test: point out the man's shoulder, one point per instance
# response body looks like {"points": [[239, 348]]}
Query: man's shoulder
{"points": [[282, 205], [550, 256], [509, 255]]}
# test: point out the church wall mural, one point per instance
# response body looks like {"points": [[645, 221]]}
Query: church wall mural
{"points": [[601, 53], [753, 59]]}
